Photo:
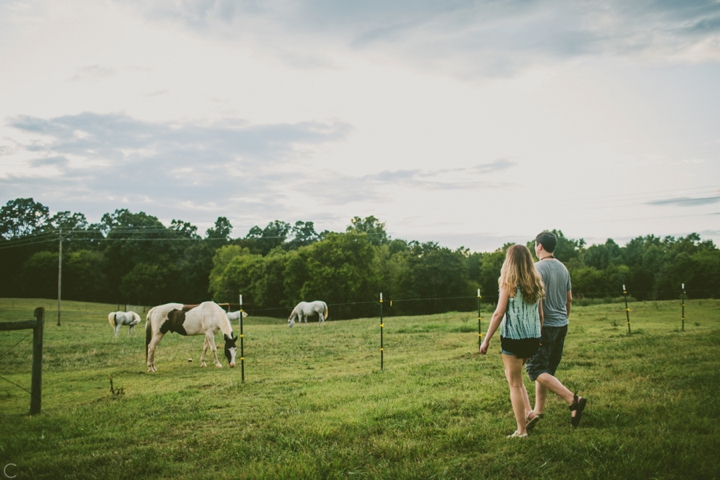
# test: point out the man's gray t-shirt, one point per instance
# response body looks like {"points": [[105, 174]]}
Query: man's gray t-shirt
{"points": [[557, 283]]}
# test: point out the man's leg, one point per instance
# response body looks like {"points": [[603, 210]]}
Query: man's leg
{"points": [[547, 382], [540, 397]]}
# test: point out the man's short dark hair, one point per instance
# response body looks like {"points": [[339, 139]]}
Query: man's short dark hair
{"points": [[547, 240]]}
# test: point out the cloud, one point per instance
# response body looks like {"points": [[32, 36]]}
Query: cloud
{"points": [[120, 138], [467, 38], [381, 186], [93, 73], [686, 201], [50, 162], [109, 161], [120, 161]]}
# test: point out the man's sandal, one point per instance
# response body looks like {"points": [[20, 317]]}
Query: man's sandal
{"points": [[532, 419], [578, 406]]}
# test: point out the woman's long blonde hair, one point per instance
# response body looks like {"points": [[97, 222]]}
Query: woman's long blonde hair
{"points": [[518, 270]]}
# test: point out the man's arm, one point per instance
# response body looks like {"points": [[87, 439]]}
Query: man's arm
{"points": [[568, 303]]}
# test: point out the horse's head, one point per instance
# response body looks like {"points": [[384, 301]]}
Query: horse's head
{"points": [[230, 349], [291, 321]]}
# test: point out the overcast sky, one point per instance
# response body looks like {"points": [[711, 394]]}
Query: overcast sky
{"points": [[464, 122]]}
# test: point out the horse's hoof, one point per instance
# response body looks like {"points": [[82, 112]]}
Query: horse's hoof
{"points": [[203, 364], [218, 365]]}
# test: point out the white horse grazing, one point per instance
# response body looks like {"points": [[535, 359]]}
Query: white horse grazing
{"points": [[118, 319], [304, 309], [235, 315], [204, 319]]}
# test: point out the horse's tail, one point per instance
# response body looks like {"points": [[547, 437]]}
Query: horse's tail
{"points": [[111, 318], [325, 313], [148, 335]]}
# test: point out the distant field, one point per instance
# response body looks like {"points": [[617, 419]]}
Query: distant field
{"points": [[316, 405]]}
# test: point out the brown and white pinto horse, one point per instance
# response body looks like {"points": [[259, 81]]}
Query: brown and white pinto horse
{"points": [[204, 319]]}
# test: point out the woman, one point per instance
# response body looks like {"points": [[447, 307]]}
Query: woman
{"points": [[519, 308]]}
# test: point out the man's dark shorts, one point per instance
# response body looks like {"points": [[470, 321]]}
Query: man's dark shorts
{"points": [[549, 354]]}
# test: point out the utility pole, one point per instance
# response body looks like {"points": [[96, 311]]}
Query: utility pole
{"points": [[59, 276]]}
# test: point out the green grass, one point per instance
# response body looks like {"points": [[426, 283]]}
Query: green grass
{"points": [[316, 405]]}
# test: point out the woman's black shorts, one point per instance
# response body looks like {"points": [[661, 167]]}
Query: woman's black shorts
{"points": [[525, 348]]}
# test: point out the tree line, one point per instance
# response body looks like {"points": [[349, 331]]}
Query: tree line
{"points": [[133, 258]]}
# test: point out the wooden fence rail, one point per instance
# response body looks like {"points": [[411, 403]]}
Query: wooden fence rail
{"points": [[38, 326]]}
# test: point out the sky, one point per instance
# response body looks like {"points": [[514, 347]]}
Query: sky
{"points": [[467, 123]]}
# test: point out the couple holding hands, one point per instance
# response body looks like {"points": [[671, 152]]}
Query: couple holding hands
{"points": [[532, 313]]}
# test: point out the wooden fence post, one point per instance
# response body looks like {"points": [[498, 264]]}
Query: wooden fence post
{"points": [[38, 326], [627, 310], [36, 387]]}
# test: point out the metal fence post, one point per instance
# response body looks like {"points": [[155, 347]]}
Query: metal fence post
{"points": [[382, 327], [479, 321], [683, 307], [242, 344]]}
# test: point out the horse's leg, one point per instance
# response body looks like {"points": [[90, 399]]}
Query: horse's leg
{"points": [[210, 339], [117, 329], [205, 347], [151, 351]]}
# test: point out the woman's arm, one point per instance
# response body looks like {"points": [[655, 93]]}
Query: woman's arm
{"points": [[542, 315], [496, 319]]}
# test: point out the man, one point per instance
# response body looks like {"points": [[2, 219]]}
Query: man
{"points": [[556, 309]]}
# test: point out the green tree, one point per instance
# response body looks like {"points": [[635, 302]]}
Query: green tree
{"points": [[303, 234], [374, 228], [39, 276], [147, 284], [219, 234], [341, 268], [433, 273], [269, 288], [602, 256], [222, 286], [272, 236], [83, 276], [566, 248], [22, 217], [135, 238]]}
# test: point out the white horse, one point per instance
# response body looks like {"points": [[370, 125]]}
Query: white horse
{"points": [[235, 315], [204, 319], [304, 309], [118, 319]]}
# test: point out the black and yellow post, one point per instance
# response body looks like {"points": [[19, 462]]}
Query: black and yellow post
{"points": [[683, 307], [242, 344], [479, 321], [382, 327], [627, 310]]}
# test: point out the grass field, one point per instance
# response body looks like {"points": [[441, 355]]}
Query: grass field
{"points": [[316, 405]]}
